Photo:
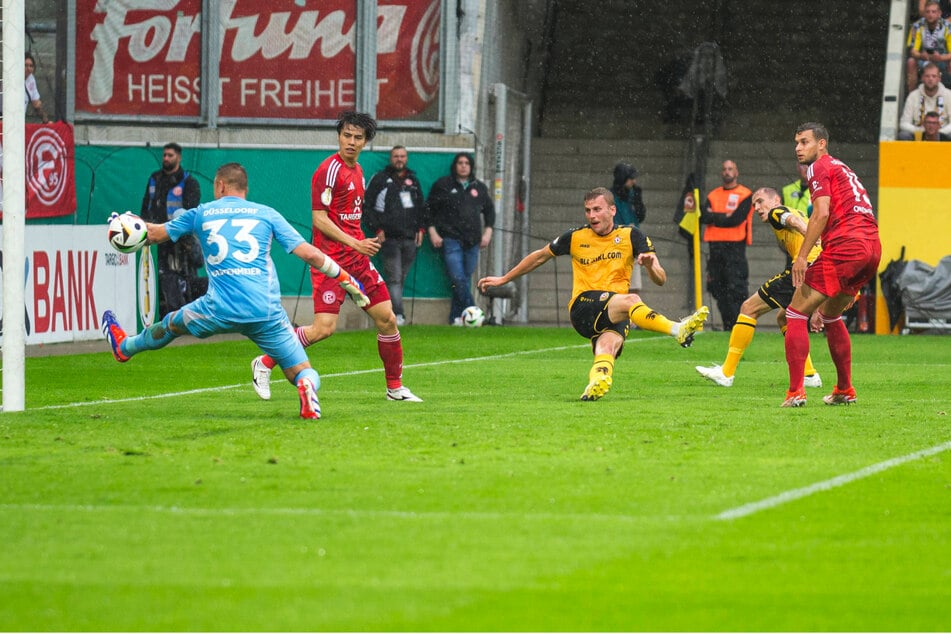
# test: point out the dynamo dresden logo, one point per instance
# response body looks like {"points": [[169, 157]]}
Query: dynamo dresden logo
{"points": [[47, 166], [424, 55]]}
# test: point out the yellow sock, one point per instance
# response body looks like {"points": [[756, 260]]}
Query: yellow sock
{"points": [[808, 369], [646, 319], [740, 338], [603, 364]]}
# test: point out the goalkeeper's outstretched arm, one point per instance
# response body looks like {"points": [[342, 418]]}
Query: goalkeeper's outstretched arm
{"points": [[326, 265]]}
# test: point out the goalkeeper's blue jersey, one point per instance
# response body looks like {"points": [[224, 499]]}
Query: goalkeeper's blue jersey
{"points": [[235, 236]]}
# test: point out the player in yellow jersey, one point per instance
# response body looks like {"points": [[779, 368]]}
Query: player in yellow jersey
{"points": [[789, 225], [601, 308]]}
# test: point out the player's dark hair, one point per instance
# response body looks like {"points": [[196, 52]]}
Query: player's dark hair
{"points": [[29, 56], [233, 175], [358, 120], [173, 146], [600, 191], [818, 130]]}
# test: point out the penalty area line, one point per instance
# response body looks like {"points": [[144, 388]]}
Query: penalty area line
{"points": [[826, 485]]}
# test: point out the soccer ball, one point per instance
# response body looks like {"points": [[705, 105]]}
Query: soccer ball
{"points": [[473, 317], [127, 232]]}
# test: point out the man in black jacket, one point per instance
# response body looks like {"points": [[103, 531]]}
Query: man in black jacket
{"points": [[461, 215], [395, 212], [170, 191]]}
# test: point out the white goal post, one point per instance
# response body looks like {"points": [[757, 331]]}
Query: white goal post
{"points": [[14, 206]]}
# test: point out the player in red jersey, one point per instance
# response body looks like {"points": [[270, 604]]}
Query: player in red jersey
{"points": [[842, 215], [337, 190]]}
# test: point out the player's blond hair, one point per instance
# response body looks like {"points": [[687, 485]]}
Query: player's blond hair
{"points": [[233, 176], [600, 191]]}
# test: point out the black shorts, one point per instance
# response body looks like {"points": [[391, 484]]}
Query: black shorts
{"points": [[589, 316], [778, 290]]}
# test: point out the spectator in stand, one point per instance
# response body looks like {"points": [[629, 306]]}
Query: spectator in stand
{"points": [[933, 129], [929, 40], [796, 194], [629, 201], [32, 92], [930, 96], [944, 4], [461, 216], [729, 229], [396, 216]]}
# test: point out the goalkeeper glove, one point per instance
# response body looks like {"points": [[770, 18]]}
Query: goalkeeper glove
{"points": [[354, 289]]}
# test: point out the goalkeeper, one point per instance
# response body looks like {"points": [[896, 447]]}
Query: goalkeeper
{"points": [[789, 225], [243, 293]]}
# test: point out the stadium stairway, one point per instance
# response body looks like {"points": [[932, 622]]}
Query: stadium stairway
{"points": [[607, 95]]}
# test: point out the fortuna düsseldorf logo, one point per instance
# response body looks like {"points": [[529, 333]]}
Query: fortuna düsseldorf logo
{"points": [[47, 166], [424, 55]]}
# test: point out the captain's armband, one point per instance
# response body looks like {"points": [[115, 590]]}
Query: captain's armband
{"points": [[777, 217]]}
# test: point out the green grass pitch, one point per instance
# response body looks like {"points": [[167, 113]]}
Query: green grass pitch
{"points": [[162, 494]]}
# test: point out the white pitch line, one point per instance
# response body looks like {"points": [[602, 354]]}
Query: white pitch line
{"points": [[137, 399], [825, 485], [519, 516]]}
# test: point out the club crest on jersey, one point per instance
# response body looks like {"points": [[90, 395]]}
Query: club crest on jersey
{"points": [[474, 193], [329, 297], [604, 297], [617, 239], [327, 197]]}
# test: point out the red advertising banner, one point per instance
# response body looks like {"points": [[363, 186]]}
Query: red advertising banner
{"points": [[50, 170], [283, 59]]}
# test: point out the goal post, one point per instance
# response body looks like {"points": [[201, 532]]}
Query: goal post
{"points": [[14, 205]]}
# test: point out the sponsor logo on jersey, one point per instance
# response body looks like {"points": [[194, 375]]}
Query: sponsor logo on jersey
{"points": [[609, 255], [326, 197]]}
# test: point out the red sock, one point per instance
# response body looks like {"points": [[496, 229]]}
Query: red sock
{"points": [[301, 336], [391, 352], [797, 347], [840, 348]]}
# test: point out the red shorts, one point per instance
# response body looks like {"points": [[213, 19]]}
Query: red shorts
{"points": [[833, 274], [329, 296]]}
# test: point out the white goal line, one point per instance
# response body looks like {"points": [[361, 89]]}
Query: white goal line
{"points": [[322, 376]]}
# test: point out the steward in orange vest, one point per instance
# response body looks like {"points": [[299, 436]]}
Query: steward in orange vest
{"points": [[727, 214]]}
